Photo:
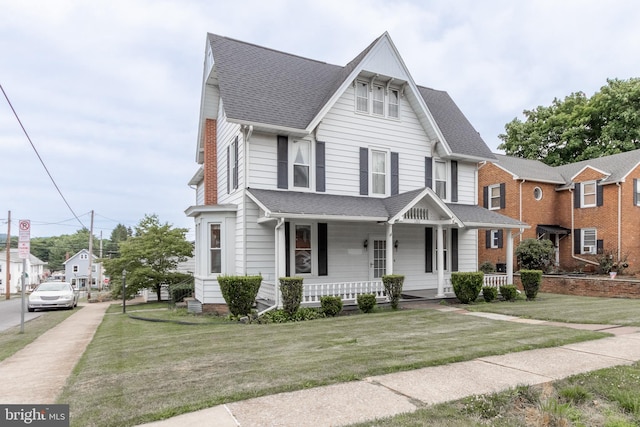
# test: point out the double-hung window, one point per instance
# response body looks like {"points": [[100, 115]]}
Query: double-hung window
{"points": [[215, 249], [636, 192], [441, 179], [589, 192], [394, 103], [378, 100], [589, 241], [301, 163], [378, 172], [362, 97], [494, 197]]}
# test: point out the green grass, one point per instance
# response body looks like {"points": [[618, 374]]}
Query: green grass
{"points": [[11, 340], [567, 308], [136, 371]]}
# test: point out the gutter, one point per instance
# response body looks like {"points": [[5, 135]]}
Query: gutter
{"points": [[277, 271]]}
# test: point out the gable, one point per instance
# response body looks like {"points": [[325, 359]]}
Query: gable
{"points": [[383, 60], [589, 174]]}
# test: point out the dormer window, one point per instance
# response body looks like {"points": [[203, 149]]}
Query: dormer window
{"points": [[362, 97], [378, 99]]}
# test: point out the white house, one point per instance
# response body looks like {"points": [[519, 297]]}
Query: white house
{"points": [[34, 268], [76, 270], [338, 174]]}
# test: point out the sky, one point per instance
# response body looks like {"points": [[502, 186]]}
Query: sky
{"points": [[109, 91]]}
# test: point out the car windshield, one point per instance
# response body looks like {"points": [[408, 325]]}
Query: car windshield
{"points": [[50, 286]]}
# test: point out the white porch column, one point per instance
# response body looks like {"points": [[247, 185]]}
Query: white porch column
{"points": [[389, 254], [280, 261], [509, 257], [440, 260]]}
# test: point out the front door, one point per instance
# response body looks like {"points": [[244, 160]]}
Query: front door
{"points": [[377, 258]]}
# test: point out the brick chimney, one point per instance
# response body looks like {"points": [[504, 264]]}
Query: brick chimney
{"points": [[210, 163]]}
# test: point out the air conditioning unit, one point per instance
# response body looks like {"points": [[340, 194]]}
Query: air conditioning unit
{"points": [[588, 249]]}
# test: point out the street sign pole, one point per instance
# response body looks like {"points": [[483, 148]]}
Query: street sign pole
{"points": [[24, 251]]}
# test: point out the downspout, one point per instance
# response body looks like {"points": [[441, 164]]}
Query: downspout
{"points": [[573, 240], [245, 140], [619, 220], [520, 203], [277, 228]]}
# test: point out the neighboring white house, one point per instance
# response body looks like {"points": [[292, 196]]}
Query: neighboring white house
{"points": [[76, 270], [35, 271], [337, 174]]}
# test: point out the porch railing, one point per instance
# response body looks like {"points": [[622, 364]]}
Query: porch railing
{"points": [[347, 291], [495, 280]]}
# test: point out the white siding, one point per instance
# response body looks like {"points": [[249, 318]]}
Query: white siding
{"points": [[467, 183], [263, 163]]}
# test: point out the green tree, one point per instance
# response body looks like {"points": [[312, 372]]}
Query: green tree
{"points": [[150, 257], [578, 128], [534, 254], [62, 247], [119, 234]]}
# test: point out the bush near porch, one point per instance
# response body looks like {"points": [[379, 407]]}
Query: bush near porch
{"points": [[467, 286], [239, 292]]}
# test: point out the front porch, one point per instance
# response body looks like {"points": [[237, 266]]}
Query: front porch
{"points": [[349, 291]]}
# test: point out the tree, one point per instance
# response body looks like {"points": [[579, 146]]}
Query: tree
{"points": [[578, 128], [150, 257], [534, 254], [119, 234]]}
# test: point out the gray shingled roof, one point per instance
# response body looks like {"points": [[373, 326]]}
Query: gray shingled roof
{"points": [[314, 204], [617, 166], [261, 85], [457, 130]]}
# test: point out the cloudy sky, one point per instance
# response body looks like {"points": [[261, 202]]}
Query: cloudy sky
{"points": [[109, 91]]}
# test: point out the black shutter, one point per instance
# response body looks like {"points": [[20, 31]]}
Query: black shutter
{"points": [[503, 198], [428, 249], [395, 174], [576, 195], [599, 195], [228, 169], [577, 241], [454, 181], [283, 161], [454, 249], [364, 171], [600, 246], [323, 264], [636, 200], [287, 249], [500, 238], [235, 166], [428, 172], [485, 197], [320, 167], [487, 239]]}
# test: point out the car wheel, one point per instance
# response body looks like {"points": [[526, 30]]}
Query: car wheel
{"points": [[31, 310]]}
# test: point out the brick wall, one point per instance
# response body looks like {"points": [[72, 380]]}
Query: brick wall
{"points": [[588, 286], [210, 163]]}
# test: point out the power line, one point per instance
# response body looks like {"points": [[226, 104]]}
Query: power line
{"points": [[40, 158]]}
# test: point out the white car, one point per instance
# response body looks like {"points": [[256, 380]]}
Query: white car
{"points": [[53, 295]]}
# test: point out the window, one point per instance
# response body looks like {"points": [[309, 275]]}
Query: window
{"points": [[441, 179], [589, 194], [215, 249], [301, 163], [636, 192], [362, 97], [494, 197], [394, 103], [75, 268], [378, 172], [444, 249], [378, 100], [589, 241], [232, 166], [303, 249], [84, 256], [537, 193], [495, 239]]}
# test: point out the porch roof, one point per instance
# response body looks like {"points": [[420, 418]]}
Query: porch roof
{"points": [[294, 204]]}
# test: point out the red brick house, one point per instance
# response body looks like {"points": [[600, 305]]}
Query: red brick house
{"points": [[587, 209]]}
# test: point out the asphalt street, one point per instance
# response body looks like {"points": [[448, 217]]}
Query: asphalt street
{"points": [[10, 312]]}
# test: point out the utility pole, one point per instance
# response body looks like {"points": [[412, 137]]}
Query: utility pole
{"points": [[100, 265], [90, 259], [8, 272]]}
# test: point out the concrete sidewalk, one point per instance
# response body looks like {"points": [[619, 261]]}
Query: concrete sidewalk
{"points": [[392, 394], [37, 373]]}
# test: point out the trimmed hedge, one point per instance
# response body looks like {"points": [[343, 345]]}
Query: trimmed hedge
{"points": [[291, 291], [330, 305], [467, 286], [366, 302], [489, 293], [393, 287], [509, 292], [531, 280], [239, 292]]}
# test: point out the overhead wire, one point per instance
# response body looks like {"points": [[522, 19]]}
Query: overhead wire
{"points": [[40, 158]]}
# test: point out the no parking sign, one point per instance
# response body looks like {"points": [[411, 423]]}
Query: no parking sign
{"points": [[24, 238]]}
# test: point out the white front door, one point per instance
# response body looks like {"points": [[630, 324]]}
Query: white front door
{"points": [[377, 257]]}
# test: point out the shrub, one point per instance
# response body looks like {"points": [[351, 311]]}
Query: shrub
{"points": [[467, 286], [487, 267], [489, 293], [180, 291], [331, 306], [393, 287], [531, 280], [508, 292], [366, 302], [291, 290], [239, 292], [534, 254], [281, 316]]}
